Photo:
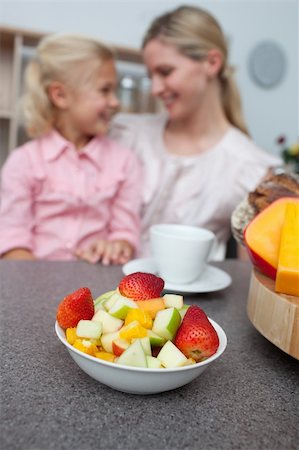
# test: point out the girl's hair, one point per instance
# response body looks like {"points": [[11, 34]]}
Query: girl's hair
{"points": [[194, 32], [69, 58]]}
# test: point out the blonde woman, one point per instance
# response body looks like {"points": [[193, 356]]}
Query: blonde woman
{"points": [[70, 188], [198, 158]]}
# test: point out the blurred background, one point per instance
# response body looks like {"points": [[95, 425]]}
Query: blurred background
{"points": [[262, 35]]}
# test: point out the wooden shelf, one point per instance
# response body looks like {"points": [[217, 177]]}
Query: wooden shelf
{"points": [[6, 114], [31, 38]]}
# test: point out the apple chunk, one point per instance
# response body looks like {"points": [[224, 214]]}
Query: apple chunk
{"points": [[183, 310], [89, 329], [119, 346], [121, 307], [155, 339], [109, 323], [107, 341], [175, 300], [133, 355], [100, 301], [171, 356], [146, 345], [166, 323], [153, 363]]}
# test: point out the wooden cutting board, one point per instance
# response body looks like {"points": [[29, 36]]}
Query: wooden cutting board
{"points": [[275, 316]]}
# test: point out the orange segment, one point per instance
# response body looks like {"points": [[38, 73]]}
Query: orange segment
{"points": [[71, 335], [105, 355], [86, 346], [142, 316], [132, 331]]}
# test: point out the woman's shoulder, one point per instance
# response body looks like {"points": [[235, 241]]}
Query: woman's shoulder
{"points": [[249, 162], [244, 149]]}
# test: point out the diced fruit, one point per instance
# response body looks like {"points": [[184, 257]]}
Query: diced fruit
{"points": [[111, 300], [173, 300], [155, 339], [183, 311], [132, 331], [179, 335], [190, 362], [96, 342], [262, 236], [107, 340], [100, 301], [146, 345], [74, 307], [105, 356], [109, 323], [155, 351], [71, 335], [196, 337], [142, 316], [153, 363], [133, 355], [151, 306], [167, 323], [287, 277], [141, 286], [171, 356], [89, 329], [121, 307], [85, 346], [119, 346]]}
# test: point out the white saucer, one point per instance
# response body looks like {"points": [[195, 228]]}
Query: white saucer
{"points": [[212, 279]]}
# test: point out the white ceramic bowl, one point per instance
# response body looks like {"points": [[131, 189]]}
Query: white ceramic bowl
{"points": [[136, 380]]}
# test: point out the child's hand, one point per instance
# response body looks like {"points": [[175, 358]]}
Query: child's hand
{"points": [[117, 252], [18, 253], [114, 252]]}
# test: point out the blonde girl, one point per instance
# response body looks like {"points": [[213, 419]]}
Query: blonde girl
{"points": [[198, 159], [70, 188]]}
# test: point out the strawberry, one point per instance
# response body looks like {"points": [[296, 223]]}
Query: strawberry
{"points": [[74, 307], [141, 286], [196, 336]]}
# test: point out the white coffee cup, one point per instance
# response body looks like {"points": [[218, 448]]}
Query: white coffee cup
{"points": [[180, 251]]}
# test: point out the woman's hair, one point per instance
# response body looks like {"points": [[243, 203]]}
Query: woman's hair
{"points": [[68, 58], [194, 32]]}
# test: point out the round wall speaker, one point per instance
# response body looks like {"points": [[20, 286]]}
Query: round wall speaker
{"points": [[267, 64]]}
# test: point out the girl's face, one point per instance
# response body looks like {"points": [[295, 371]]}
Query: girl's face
{"points": [[91, 106], [180, 82]]}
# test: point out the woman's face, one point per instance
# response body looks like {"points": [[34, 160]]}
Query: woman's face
{"points": [[180, 82]]}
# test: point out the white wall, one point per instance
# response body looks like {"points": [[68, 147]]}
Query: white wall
{"points": [[269, 112]]}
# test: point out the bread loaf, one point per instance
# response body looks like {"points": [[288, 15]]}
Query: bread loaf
{"points": [[269, 190]]}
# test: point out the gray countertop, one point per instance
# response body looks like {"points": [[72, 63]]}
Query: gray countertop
{"points": [[248, 399]]}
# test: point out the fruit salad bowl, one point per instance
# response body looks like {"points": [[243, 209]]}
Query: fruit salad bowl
{"points": [[137, 380]]}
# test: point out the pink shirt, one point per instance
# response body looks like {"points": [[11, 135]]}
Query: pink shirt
{"points": [[55, 199]]}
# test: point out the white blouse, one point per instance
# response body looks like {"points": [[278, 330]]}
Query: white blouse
{"points": [[201, 190]]}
